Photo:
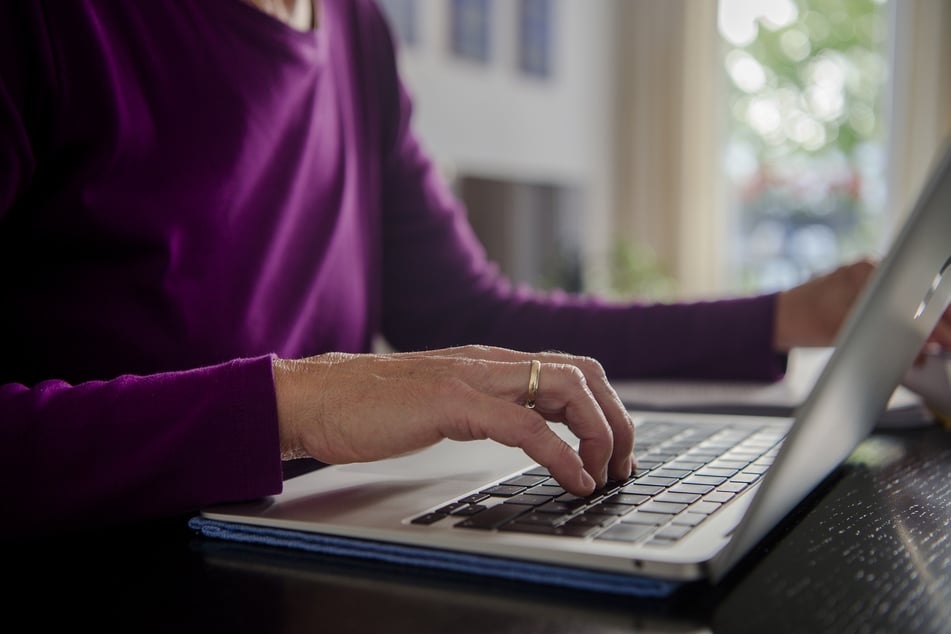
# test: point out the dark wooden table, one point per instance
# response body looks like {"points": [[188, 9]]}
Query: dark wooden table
{"points": [[870, 552]]}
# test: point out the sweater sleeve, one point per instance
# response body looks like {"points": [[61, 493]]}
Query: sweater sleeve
{"points": [[26, 88], [137, 447], [439, 289]]}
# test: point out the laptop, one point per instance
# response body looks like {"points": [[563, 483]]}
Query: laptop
{"points": [[708, 488]]}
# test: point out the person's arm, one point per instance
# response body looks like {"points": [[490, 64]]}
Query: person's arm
{"points": [[27, 88], [130, 448], [341, 408], [137, 447]]}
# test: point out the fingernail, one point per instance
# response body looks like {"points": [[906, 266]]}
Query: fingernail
{"points": [[587, 481]]}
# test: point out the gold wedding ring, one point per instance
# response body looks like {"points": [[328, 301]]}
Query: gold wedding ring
{"points": [[533, 383]]}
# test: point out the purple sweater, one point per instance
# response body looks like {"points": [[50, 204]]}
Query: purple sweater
{"points": [[189, 187]]}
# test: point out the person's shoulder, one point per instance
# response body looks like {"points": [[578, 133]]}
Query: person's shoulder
{"points": [[360, 18], [358, 9], [362, 34]]}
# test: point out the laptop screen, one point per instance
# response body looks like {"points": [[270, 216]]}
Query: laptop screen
{"points": [[886, 330]]}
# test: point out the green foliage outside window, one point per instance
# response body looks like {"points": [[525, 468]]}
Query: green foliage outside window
{"points": [[805, 151]]}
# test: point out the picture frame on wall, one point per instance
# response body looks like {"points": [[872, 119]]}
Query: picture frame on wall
{"points": [[403, 16], [470, 29], [535, 26]]}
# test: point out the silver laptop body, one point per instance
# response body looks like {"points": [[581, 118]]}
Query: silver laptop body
{"points": [[383, 501]]}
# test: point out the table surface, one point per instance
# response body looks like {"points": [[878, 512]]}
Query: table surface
{"points": [[870, 551]]}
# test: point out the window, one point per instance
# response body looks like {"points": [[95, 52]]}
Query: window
{"points": [[805, 149], [471, 37], [404, 19]]}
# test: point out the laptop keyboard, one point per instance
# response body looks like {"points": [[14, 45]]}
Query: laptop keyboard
{"points": [[685, 473]]}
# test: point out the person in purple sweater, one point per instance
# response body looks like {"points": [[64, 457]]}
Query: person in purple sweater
{"points": [[208, 211]]}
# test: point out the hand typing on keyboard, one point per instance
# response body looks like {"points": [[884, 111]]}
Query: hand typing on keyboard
{"points": [[685, 474], [341, 408]]}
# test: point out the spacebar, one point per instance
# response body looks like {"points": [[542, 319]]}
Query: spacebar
{"points": [[494, 517]]}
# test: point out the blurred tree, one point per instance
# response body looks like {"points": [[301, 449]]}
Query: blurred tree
{"points": [[806, 82]]}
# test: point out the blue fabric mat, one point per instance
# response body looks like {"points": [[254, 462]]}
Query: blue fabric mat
{"points": [[516, 570]]}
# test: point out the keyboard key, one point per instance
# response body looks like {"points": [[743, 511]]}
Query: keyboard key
{"points": [[626, 498], [570, 531], [591, 519], [667, 508], [530, 500], [741, 456], [677, 498], [704, 507], [494, 517], [701, 455], [732, 487], [471, 509], [503, 490], [577, 530], [428, 518], [649, 519], [678, 447], [540, 518], [654, 481], [551, 490], [689, 519], [610, 509], [664, 472], [716, 472], [575, 501], [562, 508], [685, 464], [672, 533], [699, 489], [475, 497], [642, 489], [626, 532], [748, 478], [525, 481], [719, 497], [709, 480], [736, 465], [611, 486]]}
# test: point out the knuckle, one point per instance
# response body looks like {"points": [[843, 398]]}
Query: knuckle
{"points": [[573, 372], [575, 375], [629, 428], [448, 386], [564, 452], [531, 426], [471, 427], [591, 366], [478, 351]]}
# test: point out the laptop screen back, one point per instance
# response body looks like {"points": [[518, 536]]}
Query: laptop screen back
{"points": [[886, 330]]}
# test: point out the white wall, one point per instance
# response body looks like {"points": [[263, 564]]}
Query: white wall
{"points": [[490, 120]]}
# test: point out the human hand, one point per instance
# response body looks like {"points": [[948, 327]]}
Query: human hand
{"points": [[341, 408], [812, 313]]}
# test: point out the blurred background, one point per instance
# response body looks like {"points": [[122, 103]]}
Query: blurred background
{"points": [[678, 149]]}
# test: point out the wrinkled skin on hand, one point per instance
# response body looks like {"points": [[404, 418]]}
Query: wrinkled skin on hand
{"points": [[341, 408], [812, 313]]}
